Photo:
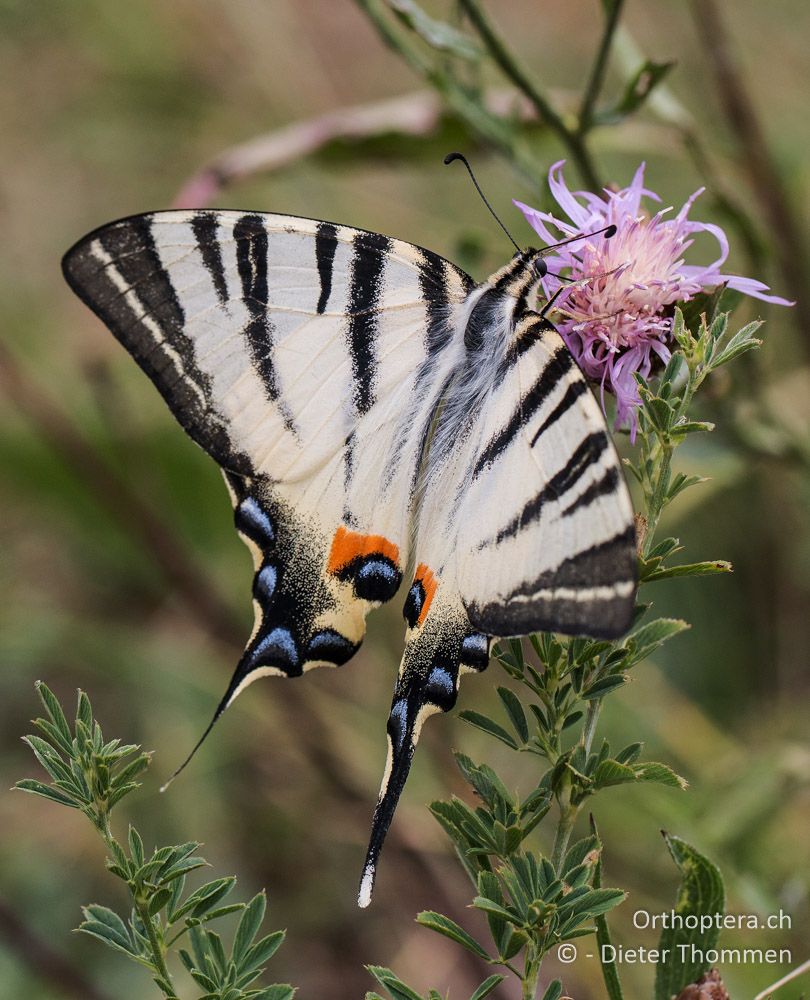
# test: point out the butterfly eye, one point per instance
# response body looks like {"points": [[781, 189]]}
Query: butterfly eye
{"points": [[540, 267]]}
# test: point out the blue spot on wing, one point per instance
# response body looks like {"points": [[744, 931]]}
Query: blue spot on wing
{"points": [[376, 579], [331, 646], [413, 603], [253, 520], [276, 649], [398, 723], [440, 688], [264, 584], [475, 651]]}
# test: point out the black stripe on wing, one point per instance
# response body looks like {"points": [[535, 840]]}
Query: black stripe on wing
{"points": [[204, 225], [587, 452], [590, 593], [116, 271], [252, 248], [572, 394], [434, 285], [559, 365], [325, 247], [366, 285]]}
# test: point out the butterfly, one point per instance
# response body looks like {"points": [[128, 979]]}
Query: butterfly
{"points": [[382, 421]]}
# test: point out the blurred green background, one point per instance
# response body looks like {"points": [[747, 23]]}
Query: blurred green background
{"points": [[121, 573]]}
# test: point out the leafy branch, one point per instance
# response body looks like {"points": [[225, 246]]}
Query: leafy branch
{"points": [[92, 775], [442, 55]]}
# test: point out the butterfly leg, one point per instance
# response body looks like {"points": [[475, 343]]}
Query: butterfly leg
{"points": [[440, 645]]}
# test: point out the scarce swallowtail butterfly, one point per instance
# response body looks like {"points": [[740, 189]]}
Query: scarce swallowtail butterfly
{"points": [[380, 418]]}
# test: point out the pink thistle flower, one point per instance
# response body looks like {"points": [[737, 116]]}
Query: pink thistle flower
{"points": [[618, 323]]}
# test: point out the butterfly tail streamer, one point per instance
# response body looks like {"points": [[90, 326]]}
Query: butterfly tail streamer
{"points": [[404, 725], [234, 686]]}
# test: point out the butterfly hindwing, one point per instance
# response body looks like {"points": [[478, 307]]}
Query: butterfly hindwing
{"points": [[561, 555], [525, 521]]}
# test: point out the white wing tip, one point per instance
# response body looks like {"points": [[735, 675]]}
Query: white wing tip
{"points": [[366, 886]]}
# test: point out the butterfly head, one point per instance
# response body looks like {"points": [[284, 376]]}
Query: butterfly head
{"points": [[521, 277]]}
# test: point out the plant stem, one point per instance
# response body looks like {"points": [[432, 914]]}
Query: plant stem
{"points": [[568, 815], [158, 957], [142, 907], [597, 77], [515, 72], [658, 497], [591, 719], [531, 974]]}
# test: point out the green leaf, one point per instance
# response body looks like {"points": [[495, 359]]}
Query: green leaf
{"points": [[585, 851], [119, 793], [278, 991], [487, 987], [488, 726], [614, 772], [597, 901], [248, 927], [665, 548], [496, 910], [571, 719], [554, 990], [659, 412], [693, 427], [263, 950], [603, 686], [204, 898], [741, 342], [444, 925], [437, 34], [611, 772], [159, 900], [659, 773], [131, 771], [630, 754], [711, 568], [102, 923], [704, 303], [46, 791], [54, 710], [217, 951], [84, 712], [397, 989], [135, 846], [48, 758], [515, 712], [681, 482], [649, 637], [701, 894]]}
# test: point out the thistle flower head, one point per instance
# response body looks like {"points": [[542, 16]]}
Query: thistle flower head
{"points": [[620, 320]]}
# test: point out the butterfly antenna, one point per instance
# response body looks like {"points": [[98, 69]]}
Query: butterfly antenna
{"points": [[452, 157], [609, 232]]}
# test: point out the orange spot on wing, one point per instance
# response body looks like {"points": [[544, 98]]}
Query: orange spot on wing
{"points": [[348, 545], [429, 583]]}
